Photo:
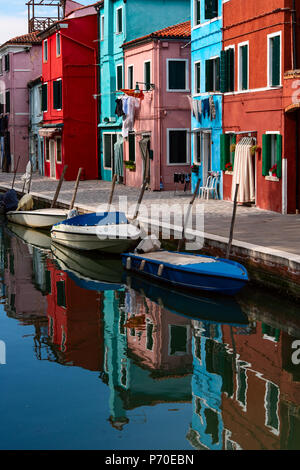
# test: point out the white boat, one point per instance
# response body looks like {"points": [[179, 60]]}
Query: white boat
{"points": [[109, 232], [39, 218]]}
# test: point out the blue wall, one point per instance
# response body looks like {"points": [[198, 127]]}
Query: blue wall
{"points": [[206, 43], [140, 17], [36, 117]]}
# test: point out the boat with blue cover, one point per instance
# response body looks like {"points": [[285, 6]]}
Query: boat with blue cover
{"points": [[109, 232], [189, 270]]}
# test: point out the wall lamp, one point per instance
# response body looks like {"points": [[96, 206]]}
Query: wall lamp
{"points": [[148, 86]]}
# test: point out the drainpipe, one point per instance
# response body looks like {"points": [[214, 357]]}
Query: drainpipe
{"points": [[295, 65], [98, 93]]}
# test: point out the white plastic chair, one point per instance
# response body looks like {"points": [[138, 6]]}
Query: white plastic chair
{"points": [[203, 189], [213, 189]]}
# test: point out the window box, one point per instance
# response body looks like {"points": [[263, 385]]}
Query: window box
{"points": [[130, 165]]}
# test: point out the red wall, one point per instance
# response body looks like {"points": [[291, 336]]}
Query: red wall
{"points": [[77, 68], [261, 110]]}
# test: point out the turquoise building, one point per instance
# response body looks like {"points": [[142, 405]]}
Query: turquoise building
{"points": [[36, 142], [121, 21], [206, 103]]}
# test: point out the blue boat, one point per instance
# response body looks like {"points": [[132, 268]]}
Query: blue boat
{"points": [[189, 271]]}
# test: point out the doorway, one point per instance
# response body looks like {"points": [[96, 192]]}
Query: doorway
{"points": [[52, 158]]}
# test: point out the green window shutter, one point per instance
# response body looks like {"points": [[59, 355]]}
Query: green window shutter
{"points": [[131, 143], [223, 72], [7, 102], [245, 67], [279, 156], [208, 75], [217, 72], [266, 154], [230, 69], [233, 153], [44, 97], [148, 75], [275, 61], [225, 150], [56, 95]]}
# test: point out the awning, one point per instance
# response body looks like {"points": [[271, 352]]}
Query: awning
{"points": [[50, 132]]}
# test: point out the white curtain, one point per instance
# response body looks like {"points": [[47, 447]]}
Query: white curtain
{"points": [[243, 173]]}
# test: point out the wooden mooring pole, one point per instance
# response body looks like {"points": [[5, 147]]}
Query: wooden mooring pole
{"points": [[232, 221], [54, 200]]}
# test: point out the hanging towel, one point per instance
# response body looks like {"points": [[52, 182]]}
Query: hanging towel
{"points": [[144, 147], [243, 172], [119, 108], [132, 105], [118, 154], [212, 107], [205, 107]]}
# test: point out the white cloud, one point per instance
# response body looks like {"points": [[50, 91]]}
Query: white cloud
{"points": [[11, 26]]}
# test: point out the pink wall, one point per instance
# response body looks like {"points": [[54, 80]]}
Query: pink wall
{"points": [[25, 65], [160, 110]]}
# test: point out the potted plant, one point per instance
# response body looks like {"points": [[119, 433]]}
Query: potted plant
{"points": [[273, 170], [228, 166], [195, 169], [253, 149], [232, 148], [129, 165]]}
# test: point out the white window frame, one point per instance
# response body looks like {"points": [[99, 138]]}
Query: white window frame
{"points": [[269, 62], [197, 93], [59, 109], [240, 69], [58, 41], [130, 66], [195, 24], [45, 51], [186, 75], [187, 146], [201, 132], [109, 133], [117, 22], [119, 65], [272, 155], [102, 28]]}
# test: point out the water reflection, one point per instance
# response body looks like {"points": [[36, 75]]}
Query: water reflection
{"points": [[228, 360]]}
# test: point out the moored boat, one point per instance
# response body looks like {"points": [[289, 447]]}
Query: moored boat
{"points": [[109, 232], [39, 218], [189, 271]]}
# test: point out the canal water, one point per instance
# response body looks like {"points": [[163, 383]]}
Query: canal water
{"points": [[94, 358]]}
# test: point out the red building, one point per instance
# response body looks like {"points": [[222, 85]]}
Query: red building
{"points": [[259, 49], [68, 95]]}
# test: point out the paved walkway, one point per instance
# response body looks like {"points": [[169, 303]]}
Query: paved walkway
{"points": [[255, 226]]}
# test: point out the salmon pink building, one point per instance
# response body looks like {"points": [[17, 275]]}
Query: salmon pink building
{"points": [[69, 92], [259, 49], [20, 62], [159, 65]]}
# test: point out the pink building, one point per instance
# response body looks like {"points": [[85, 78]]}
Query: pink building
{"points": [[160, 63], [20, 62]]}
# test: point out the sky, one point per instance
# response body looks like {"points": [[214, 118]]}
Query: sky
{"points": [[13, 17]]}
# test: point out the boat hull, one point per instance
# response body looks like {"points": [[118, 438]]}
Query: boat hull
{"points": [[183, 278], [89, 240], [43, 219]]}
